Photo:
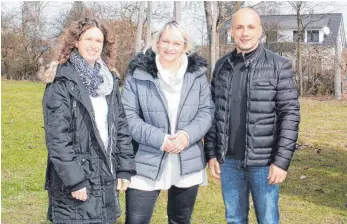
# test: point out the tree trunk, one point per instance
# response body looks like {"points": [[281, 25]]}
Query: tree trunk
{"points": [[214, 35], [149, 21], [217, 46], [138, 42], [211, 13], [298, 52], [337, 80], [177, 11], [208, 14]]}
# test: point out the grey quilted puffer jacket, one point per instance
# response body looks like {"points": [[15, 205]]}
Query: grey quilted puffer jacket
{"points": [[146, 110]]}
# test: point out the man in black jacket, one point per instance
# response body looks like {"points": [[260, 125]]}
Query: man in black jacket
{"points": [[252, 140]]}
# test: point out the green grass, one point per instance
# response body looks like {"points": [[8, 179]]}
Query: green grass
{"points": [[320, 198], [324, 124]]}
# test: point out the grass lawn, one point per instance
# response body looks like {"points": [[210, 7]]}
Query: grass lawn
{"points": [[319, 197]]}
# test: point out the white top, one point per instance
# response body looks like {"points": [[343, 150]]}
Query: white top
{"points": [[171, 84], [101, 110]]}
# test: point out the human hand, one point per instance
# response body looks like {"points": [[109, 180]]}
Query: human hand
{"points": [[80, 194], [276, 174], [122, 184], [214, 168], [168, 145], [177, 142]]}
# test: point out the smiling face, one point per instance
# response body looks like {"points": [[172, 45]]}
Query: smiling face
{"points": [[246, 30], [171, 46], [90, 44]]}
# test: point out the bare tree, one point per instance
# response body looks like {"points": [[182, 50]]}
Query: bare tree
{"points": [[269, 8], [197, 18], [298, 8], [23, 43], [162, 11], [140, 20], [305, 16], [77, 11]]}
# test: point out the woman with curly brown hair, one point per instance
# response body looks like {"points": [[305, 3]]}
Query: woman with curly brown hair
{"points": [[90, 154]]}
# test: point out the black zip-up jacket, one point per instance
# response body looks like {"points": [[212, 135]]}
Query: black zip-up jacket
{"points": [[272, 118], [77, 157]]}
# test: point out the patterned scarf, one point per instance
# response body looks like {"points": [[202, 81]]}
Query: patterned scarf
{"points": [[98, 80]]}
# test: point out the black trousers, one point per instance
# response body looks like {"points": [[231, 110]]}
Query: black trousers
{"points": [[140, 205]]}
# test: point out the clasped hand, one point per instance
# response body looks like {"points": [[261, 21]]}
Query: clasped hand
{"points": [[176, 143]]}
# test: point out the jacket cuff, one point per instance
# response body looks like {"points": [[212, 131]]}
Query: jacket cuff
{"points": [[124, 175], [210, 156], [281, 162], [190, 132], [186, 134], [79, 186]]}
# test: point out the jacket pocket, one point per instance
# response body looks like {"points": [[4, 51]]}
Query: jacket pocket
{"points": [[54, 104], [87, 163], [63, 207], [92, 207], [264, 84], [53, 111]]}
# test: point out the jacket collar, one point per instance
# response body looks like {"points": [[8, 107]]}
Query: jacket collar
{"points": [[249, 61], [143, 66]]}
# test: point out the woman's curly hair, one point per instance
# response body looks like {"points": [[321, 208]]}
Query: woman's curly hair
{"points": [[67, 42]]}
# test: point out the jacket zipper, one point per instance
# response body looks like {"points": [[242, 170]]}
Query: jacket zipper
{"points": [[178, 114], [110, 129], [247, 64], [91, 118], [226, 130], [168, 121], [74, 116], [95, 126], [110, 147]]}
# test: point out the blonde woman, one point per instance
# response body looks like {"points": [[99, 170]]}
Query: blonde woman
{"points": [[168, 105]]}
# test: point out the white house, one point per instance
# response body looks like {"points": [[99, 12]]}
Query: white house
{"points": [[322, 29]]}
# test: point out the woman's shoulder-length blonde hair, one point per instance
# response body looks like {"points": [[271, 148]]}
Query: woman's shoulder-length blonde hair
{"points": [[177, 29], [72, 34]]}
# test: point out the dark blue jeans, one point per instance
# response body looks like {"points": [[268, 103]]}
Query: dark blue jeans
{"points": [[140, 205], [238, 182]]}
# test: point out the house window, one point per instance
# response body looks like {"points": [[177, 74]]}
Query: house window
{"points": [[313, 36], [295, 36], [271, 36]]}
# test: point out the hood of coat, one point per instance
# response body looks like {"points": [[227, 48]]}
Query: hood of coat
{"points": [[146, 62], [48, 73]]}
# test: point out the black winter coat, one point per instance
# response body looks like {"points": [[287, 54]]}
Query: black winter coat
{"points": [[77, 157], [272, 117]]}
